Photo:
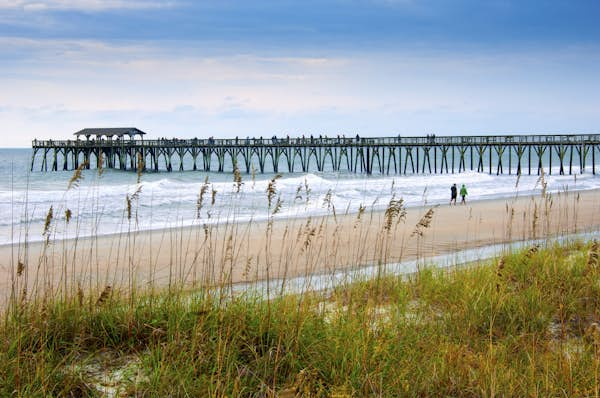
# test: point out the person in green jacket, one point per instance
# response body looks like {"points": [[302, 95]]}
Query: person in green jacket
{"points": [[463, 194]]}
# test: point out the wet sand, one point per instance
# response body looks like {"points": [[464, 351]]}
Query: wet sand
{"points": [[231, 253]]}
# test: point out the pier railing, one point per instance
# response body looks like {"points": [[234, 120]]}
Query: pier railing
{"points": [[330, 141]]}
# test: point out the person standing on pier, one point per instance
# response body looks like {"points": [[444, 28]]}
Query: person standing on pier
{"points": [[453, 193], [463, 194]]}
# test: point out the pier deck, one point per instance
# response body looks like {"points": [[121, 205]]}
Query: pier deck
{"points": [[499, 154]]}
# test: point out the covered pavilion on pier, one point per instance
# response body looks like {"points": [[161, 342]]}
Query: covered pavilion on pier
{"points": [[110, 133]]}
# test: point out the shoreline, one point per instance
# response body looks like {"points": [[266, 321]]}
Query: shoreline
{"points": [[323, 282], [252, 251], [264, 219]]}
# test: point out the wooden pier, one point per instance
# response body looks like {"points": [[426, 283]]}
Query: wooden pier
{"points": [[499, 154]]}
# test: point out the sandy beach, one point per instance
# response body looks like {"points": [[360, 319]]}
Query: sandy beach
{"points": [[232, 253]]}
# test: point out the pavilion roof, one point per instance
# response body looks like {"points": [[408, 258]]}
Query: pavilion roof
{"points": [[110, 132]]}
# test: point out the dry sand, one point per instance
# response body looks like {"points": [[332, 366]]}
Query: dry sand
{"points": [[291, 247]]}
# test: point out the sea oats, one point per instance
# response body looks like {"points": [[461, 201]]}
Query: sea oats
{"points": [[394, 211], [48, 221], [100, 163], [307, 190], [424, 223], [327, 199], [247, 268], [80, 295], [136, 193], [277, 206], [361, 211], [298, 193], [140, 167], [213, 197], [237, 177], [200, 200], [271, 189], [77, 176], [104, 296], [532, 251], [128, 206]]}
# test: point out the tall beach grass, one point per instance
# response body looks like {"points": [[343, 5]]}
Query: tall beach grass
{"points": [[89, 318]]}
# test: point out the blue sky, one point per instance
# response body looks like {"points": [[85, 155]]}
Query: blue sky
{"points": [[225, 68]]}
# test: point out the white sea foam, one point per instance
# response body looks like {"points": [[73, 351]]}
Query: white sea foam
{"points": [[170, 199]]}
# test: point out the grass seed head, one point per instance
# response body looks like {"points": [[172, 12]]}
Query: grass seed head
{"points": [[424, 223], [200, 200], [128, 206], [394, 211], [271, 189], [500, 266], [23, 299], [309, 234], [20, 268], [136, 194], [229, 249], [307, 189], [104, 296], [206, 232], [278, 205], [48, 221], [237, 177], [80, 295], [542, 182], [532, 251], [100, 163], [77, 176], [140, 167], [213, 197], [327, 199], [247, 267], [592, 334], [593, 258], [298, 193], [361, 211]]}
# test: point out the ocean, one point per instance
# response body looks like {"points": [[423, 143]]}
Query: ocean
{"points": [[98, 203]]}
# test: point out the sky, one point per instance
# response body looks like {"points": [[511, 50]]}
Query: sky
{"points": [[183, 68]]}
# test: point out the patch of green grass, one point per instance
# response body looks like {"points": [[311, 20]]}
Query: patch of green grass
{"points": [[522, 325]]}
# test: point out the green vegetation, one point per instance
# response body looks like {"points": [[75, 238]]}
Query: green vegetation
{"points": [[522, 325]]}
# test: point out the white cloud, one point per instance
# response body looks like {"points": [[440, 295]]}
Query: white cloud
{"points": [[96, 75], [53, 87], [82, 5]]}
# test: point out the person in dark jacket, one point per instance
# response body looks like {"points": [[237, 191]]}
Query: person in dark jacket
{"points": [[453, 195]]}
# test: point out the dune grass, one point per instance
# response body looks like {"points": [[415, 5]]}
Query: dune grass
{"points": [[525, 324]]}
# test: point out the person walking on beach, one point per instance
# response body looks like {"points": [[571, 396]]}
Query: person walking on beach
{"points": [[463, 194], [453, 194]]}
